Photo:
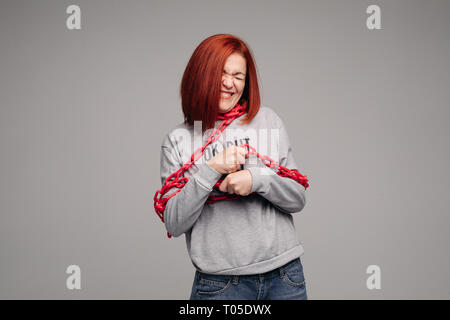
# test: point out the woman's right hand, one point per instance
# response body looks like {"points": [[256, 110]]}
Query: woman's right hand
{"points": [[229, 160]]}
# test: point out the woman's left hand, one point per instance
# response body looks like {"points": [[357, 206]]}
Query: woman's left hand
{"points": [[239, 182]]}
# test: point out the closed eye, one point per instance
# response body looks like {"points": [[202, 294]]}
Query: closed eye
{"points": [[238, 78]]}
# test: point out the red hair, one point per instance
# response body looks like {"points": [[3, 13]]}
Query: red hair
{"points": [[202, 80]]}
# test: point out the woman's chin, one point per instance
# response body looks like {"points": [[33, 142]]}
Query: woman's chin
{"points": [[225, 107]]}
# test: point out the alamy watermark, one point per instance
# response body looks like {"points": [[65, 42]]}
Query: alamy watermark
{"points": [[374, 20], [73, 21], [374, 280], [266, 142], [73, 281]]}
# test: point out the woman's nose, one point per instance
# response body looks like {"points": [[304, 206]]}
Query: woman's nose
{"points": [[227, 82]]}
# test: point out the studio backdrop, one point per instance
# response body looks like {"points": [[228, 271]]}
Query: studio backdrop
{"points": [[89, 89]]}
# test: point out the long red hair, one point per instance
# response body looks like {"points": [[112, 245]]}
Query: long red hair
{"points": [[202, 80]]}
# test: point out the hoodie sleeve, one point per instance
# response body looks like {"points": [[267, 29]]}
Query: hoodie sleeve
{"points": [[284, 193], [183, 209]]}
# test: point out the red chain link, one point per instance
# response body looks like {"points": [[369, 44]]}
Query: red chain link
{"points": [[175, 179]]}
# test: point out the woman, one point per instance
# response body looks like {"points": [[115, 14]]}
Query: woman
{"points": [[244, 248]]}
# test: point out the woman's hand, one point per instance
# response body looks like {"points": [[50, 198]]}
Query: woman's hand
{"points": [[239, 182], [228, 160]]}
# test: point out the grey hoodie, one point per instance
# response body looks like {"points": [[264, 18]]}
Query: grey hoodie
{"points": [[253, 234]]}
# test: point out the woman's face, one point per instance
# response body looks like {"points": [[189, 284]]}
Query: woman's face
{"points": [[233, 81]]}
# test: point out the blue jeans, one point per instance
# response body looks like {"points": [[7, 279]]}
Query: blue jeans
{"points": [[284, 283]]}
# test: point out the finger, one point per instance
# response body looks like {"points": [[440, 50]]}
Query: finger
{"points": [[241, 159], [231, 149], [236, 151], [242, 151], [231, 156], [230, 188], [233, 168], [223, 186]]}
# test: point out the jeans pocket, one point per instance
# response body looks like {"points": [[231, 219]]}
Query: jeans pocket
{"points": [[293, 274], [211, 284]]}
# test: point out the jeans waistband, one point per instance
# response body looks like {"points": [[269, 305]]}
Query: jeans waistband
{"points": [[278, 272]]}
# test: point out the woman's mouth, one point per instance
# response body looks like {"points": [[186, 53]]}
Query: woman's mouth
{"points": [[226, 95]]}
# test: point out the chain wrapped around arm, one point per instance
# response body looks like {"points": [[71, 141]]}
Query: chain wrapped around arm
{"points": [[176, 179]]}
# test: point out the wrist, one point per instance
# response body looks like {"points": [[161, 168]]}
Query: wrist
{"points": [[212, 164]]}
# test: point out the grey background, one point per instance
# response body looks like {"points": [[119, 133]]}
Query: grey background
{"points": [[83, 114]]}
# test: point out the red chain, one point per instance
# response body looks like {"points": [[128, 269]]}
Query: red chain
{"points": [[175, 179]]}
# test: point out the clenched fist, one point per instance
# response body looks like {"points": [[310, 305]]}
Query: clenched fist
{"points": [[239, 182], [229, 160]]}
